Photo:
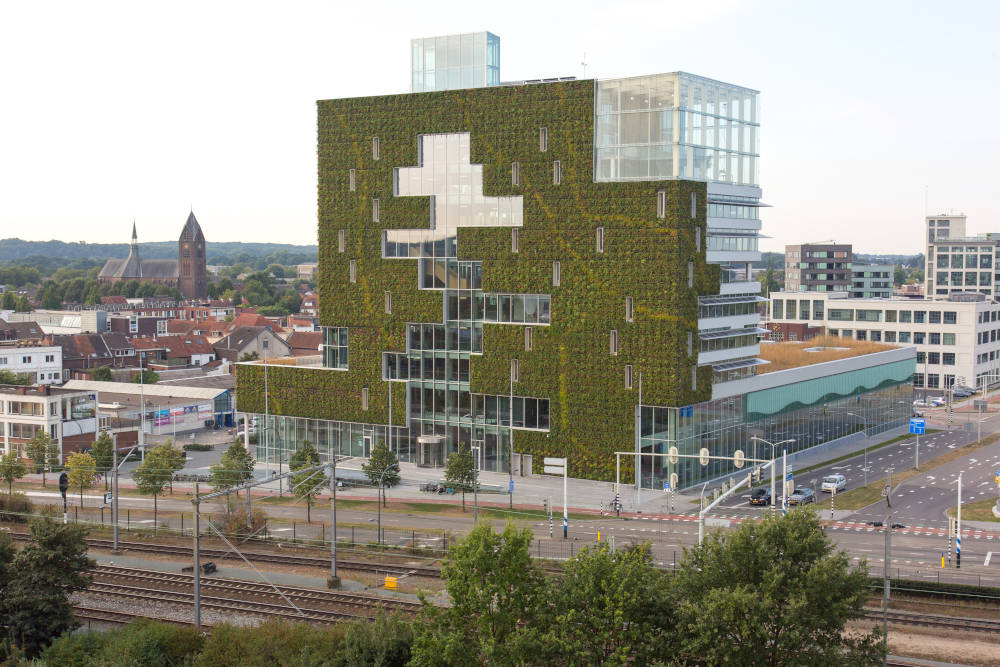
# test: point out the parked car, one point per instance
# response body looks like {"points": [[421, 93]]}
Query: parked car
{"points": [[938, 402], [919, 404], [966, 388], [761, 496], [802, 496], [831, 483], [918, 413]]}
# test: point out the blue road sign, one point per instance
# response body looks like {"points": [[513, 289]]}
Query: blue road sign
{"points": [[666, 486], [510, 488], [918, 425]]}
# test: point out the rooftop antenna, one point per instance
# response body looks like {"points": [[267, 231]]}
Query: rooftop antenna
{"points": [[584, 64]]}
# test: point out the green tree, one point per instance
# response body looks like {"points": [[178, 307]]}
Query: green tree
{"points": [[153, 474], [382, 465], [147, 377], [102, 374], [495, 587], [6, 377], [37, 449], [387, 641], [233, 469], [35, 606], [104, 456], [307, 485], [460, 471], [249, 356], [176, 459], [773, 593], [8, 301], [82, 471], [12, 468], [898, 276]]}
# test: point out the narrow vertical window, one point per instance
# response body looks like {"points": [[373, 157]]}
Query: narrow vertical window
{"points": [[388, 303], [515, 173], [629, 309], [690, 343], [528, 338], [661, 204], [557, 172], [514, 238], [556, 274], [690, 274], [375, 211], [614, 342], [341, 240], [352, 179], [364, 398], [694, 378], [628, 376], [514, 371], [697, 239], [374, 148], [354, 270], [600, 239], [543, 139], [694, 206]]}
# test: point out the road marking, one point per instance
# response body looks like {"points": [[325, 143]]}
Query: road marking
{"points": [[986, 563]]}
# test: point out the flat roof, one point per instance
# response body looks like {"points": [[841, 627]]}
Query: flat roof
{"points": [[782, 356], [35, 392], [148, 390]]}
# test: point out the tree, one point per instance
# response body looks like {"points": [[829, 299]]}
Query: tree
{"points": [[12, 468], [82, 471], [6, 377], [772, 593], [146, 376], [102, 374], [308, 484], [37, 450], [249, 356], [495, 587], [898, 276], [104, 456], [382, 466], [460, 471], [234, 468], [154, 473], [35, 605], [8, 301], [175, 459]]}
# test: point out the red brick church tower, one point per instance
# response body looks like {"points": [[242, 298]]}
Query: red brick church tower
{"points": [[191, 272]]}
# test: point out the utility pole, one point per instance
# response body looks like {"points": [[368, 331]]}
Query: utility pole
{"points": [[197, 560], [885, 567], [958, 527], [333, 519], [114, 492], [510, 486]]}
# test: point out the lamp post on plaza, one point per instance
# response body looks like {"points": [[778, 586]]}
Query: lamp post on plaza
{"points": [[864, 422], [378, 501], [773, 445]]}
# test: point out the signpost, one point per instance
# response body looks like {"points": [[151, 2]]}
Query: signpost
{"points": [[63, 487], [918, 426], [979, 406], [557, 466]]}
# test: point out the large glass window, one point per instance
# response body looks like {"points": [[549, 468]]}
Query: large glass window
{"points": [[335, 347]]}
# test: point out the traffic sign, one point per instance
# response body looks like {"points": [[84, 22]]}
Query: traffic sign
{"points": [[738, 458], [996, 477], [979, 405], [703, 456], [918, 425], [666, 486], [108, 497], [554, 466], [510, 487], [672, 455]]}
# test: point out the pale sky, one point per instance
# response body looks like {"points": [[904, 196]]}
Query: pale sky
{"points": [[111, 111]]}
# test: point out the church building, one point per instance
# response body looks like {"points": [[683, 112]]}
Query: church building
{"points": [[187, 273]]}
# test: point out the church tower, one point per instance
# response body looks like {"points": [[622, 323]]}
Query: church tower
{"points": [[191, 272]]}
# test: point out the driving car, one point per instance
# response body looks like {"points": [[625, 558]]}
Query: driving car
{"points": [[919, 404], [961, 393], [831, 483], [938, 402], [760, 496], [802, 496]]}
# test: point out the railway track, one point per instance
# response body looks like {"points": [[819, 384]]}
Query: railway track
{"points": [[96, 614], [269, 557], [935, 621]]}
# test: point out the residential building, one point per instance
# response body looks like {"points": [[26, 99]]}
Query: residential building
{"points": [[42, 364], [818, 267], [957, 263], [306, 271], [67, 415], [85, 352], [470, 60], [302, 343], [486, 320], [259, 342], [310, 303], [956, 341], [166, 352], [301, 322], [20, 334], [871, 281], [251, 319]]}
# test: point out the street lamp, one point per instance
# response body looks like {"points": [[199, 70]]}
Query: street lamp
{"points": [[475, 485], [378, 502], [774, 445], [864, 430]]}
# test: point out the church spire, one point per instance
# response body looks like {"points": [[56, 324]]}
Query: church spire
{"points": [[135, 237]]}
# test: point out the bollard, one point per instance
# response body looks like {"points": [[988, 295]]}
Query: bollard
{"points": [[293, 532], [182, 523], [128, 520], [352, 536]]}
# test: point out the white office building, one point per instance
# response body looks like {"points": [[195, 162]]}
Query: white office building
{"points": [[871, 281], [956, 340], [958, 263], [42, 364]]}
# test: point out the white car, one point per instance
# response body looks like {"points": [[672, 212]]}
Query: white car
{"points": [[833, 483], [938, 402], [920, 404]]}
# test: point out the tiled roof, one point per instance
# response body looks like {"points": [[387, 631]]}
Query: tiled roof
{"points": [[251, 320], [90, 346], [302, 341]]}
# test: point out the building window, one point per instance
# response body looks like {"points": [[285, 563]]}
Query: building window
{"points": [[949, 338], [375, 212], [514, 371], [948, 358], [364, 398], [628, 376], [557, 172], [352, 179], [515, 173], [629, 310], [934, 317], [514, 239], [556, 274], [49, 358], [951, 317], [697, 239], [25, 360], [341, 240], [354, 271], [543, 139], [690, 343], [694, 378], [374, 148], [933, 357], [388, 303], [600, 239], [690, 274], [935, 338], [661, 204], [614, 342], [528, 338], [694, 206], [335, 347]]}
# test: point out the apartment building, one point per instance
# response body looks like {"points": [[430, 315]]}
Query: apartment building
{"points": [[818, 267], [871, 281], [43, 365], [68, 416]]}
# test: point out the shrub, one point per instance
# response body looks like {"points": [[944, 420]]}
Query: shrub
{"points": [[197, 447], [15, 507], [234, 522], [269, 644], [144, 642]]}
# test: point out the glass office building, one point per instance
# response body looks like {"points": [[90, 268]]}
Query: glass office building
{"points": [[471, 60]]}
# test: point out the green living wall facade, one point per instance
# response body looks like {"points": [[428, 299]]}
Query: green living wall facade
{"points": [[653, 254]]}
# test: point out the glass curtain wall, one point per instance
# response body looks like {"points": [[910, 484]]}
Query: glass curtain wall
{"points": [[470, 60]]}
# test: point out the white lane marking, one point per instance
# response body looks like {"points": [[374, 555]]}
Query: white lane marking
{"points": [[986, 563]]}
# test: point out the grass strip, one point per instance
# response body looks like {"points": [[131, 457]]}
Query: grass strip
{"points": [[980, 510]]}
